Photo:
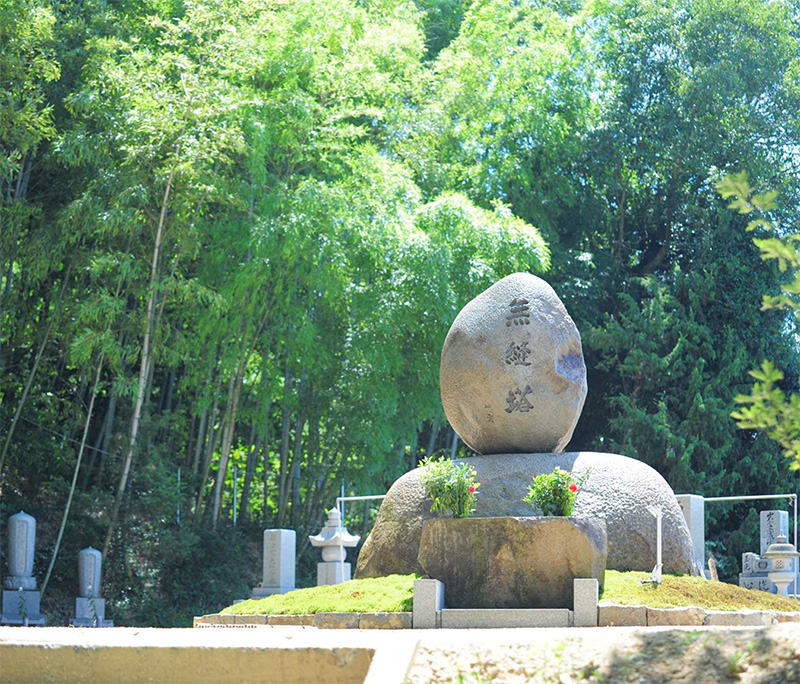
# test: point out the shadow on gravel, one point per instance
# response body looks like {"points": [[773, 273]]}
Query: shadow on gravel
{"points": [[702, 657]]}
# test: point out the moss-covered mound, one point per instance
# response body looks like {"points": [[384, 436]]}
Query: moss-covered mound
{"points": [[677, 591], [371, 595], [395, 593]]}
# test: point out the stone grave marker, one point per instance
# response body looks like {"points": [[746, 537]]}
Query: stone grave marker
{"points": [[755, 567], [773, 524], [279, 563], [20, 605], [90, 609], [693, 508]]}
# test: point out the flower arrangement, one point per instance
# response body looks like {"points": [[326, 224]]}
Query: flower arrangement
{"points": [[555, 493], [451, 486]]}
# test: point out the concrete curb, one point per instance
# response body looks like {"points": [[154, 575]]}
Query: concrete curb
{"points": [[319, 620], [616, 615], [609, 615]]}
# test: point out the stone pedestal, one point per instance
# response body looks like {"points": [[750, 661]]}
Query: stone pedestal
{"points": [[19, 605], [90, 612], [509, 562], [333, 573], [279, 557], [618, 490], [693, 508]]}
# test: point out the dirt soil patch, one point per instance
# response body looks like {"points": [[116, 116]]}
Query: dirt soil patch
{"points": [[703, 655]]}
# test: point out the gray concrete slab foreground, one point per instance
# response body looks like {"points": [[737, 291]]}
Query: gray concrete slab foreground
{"points": [[307, 655], [228, 655]]}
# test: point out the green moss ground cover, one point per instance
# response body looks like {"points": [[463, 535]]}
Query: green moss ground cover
{"points": [[677, 591], [371, 595], [394, 593]]}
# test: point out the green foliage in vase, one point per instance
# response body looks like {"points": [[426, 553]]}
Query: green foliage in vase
{"points": [[555, 493], [450, 486]]}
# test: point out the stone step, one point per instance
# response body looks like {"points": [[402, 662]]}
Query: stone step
{"points": [[491, 618]]}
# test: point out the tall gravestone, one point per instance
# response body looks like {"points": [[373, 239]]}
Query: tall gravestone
{"points": [[693, 508], [773, 525], [279, 555], [90, 609], [21, 601]]}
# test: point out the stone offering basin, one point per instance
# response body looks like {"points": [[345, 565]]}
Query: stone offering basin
{"points": [[512, 562]]}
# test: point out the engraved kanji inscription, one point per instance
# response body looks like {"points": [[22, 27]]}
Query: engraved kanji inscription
{"points": [[518, 400], [517, 354], [520, 312]]}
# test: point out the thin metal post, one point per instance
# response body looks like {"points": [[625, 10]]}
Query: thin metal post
{"points": [[656, 575], [235, 480], [340, 505], [341, 542], [178, 510], [796, 560]]}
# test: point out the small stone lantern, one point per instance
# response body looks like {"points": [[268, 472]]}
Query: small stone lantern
{"points": [[782, 553], [333, 539]]}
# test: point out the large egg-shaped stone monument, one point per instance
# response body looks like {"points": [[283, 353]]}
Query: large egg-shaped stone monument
{"points": [[512, 374], [513, 383]]}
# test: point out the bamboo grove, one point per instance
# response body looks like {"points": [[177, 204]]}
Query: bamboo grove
{"points": [[234, 233]]}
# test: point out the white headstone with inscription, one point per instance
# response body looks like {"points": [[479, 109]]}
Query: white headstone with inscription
{"points": [[773, 525], [279, 563]]}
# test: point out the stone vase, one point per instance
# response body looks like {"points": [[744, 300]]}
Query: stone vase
{"points": [[513, 562]]}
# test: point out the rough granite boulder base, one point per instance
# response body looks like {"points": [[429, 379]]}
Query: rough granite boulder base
{"points": [[512, 374], [618, 490], [510, 562], [393, 544]]}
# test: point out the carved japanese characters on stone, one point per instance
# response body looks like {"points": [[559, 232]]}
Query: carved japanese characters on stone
{"points": [[520, 312], [517, 354], [518, 400]]}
